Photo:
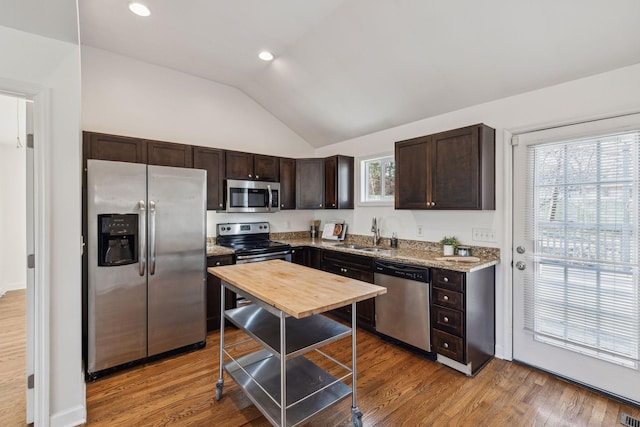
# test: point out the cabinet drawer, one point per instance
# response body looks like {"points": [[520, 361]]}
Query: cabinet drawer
{"points": [[448, 345], [448, 320], [448, 298], [447, 279], [214, 261], [348, 271]]}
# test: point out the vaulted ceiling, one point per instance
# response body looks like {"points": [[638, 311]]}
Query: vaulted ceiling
{"points": [[346, 68]]}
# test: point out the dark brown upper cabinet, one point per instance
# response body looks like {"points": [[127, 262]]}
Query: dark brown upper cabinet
{"points": [[211, 160], [287, 183], [135, 150], [448, 170], [309, 183], [101, 146], [169, 154], [338, 182], [240, 165]]}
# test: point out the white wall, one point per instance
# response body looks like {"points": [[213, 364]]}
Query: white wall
{"points": [[51, 67], [601, 95], [13, 268], [124, 96]]}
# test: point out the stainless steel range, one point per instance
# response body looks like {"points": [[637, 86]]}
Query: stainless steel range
{"points": [[251, 243]]}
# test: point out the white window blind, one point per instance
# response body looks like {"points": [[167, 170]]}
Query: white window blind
{"points": [[581, 284]]}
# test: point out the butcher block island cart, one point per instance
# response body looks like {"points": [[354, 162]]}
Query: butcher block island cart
{"points": [[285, 320]]}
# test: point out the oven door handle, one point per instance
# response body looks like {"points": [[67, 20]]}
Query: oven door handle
{"points": [[270, 255]]}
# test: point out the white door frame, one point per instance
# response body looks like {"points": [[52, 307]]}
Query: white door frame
{"points": [[41, 165]]}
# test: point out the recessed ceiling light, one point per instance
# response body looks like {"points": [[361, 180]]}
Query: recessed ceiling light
{"points": [[265, 56], [139, 9]]}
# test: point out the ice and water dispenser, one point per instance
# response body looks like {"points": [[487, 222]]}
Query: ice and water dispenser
{"points": [[117, 239]]}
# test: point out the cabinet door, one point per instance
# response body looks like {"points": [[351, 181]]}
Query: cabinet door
{"points": [[211, 160], [213, 292], [456, 169], [169, 154], [299, 256], [314, 258], [309, 183], [238, 165], [287, 183], [412, 174], [331, 182], [266, 168], [112, 147], [338, 182]]}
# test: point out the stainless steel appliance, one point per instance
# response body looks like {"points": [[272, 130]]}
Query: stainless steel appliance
{"points": [[403, 312], [250, 242], [146, 261], [252, 196]]}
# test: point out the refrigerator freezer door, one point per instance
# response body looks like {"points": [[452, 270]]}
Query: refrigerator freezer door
{"points": [[116, 295], [177, 257]]}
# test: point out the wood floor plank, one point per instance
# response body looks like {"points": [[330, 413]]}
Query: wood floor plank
{"points": [[395, 388]]}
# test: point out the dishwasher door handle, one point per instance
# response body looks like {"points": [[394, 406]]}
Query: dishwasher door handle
{"points": [[399, 267]]}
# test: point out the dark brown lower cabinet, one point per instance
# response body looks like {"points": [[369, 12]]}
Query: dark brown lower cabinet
{"points": [[463, 318], [356, 267], [213, 292]]}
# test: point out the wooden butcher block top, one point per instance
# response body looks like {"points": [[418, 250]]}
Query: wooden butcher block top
{"points": [[297, 290]]}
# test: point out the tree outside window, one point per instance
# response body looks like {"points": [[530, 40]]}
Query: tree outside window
{"points": [[378, 179]]}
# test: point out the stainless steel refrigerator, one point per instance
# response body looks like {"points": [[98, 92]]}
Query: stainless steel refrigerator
{"points": [[146, 229]]}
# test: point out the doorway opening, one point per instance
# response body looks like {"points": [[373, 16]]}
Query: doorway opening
{"points": [[15, 291]]}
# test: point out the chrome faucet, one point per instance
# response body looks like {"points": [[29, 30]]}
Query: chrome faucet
{"points": [[376, 231]]}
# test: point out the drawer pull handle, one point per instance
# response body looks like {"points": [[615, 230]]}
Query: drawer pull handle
{"points": [[446, 279], [445, 345], [446, 298], [446, 319]]}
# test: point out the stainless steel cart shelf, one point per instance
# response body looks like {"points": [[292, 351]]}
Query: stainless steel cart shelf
{"points": [[304, 378], [303, 335], [287, 390]]}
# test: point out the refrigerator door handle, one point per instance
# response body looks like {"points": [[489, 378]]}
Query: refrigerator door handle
{"points": [[152, 237], [142, 240]]}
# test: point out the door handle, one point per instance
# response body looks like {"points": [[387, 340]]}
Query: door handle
{"points": [[520, 265], [142, 236], [152, 237], [520, 249], [270, 202]]}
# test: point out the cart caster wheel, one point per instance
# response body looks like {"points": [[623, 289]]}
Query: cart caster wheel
{"points": [[356, 416], [219, 391]]}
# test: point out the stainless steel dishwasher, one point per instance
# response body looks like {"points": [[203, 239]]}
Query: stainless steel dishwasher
{"points": [[403, 312]]}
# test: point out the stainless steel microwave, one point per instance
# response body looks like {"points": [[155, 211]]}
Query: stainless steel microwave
{"points": [[252, 196]]}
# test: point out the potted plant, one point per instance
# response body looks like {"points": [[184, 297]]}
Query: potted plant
{"points": [[449, 244]]}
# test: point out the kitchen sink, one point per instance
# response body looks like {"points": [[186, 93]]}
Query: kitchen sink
{"points": [[351, 246], [363, 248], [379, 250]]}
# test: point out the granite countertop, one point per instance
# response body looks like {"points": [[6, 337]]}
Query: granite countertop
{"points": [[413, 255], [409, 251], [213, 250]]}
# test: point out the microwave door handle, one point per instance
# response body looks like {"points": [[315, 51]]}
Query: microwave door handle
{"points": [[152, 237], [142, 236], [270, 198]]}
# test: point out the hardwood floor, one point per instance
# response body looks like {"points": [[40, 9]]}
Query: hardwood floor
{"points": [[13, 332], [395, 387]]}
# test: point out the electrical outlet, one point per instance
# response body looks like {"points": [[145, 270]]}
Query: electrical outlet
{"points": [[419, 231], [484, 235]]}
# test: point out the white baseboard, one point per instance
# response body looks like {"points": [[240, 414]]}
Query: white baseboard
{"points": [[13, 287], [70, 417]]}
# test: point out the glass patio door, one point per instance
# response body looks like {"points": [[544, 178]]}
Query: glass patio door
{"points": [[575, 253]]}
